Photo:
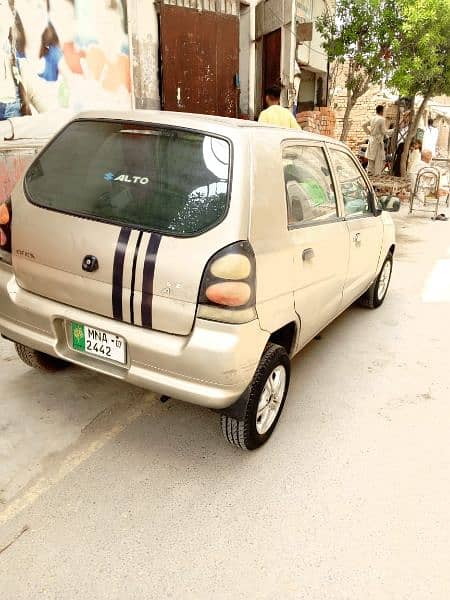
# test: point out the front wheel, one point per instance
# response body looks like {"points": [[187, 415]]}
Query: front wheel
{"points": [[375, 295], [263, 402]]}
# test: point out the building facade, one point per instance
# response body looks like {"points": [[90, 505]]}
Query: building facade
{"points": [[218, 56], [202, 56]]}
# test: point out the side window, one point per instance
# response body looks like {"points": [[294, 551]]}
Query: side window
{"points": [[355, 192], [309, 188]]}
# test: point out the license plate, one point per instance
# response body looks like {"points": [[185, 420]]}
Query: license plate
{"points": [[98, 343]]}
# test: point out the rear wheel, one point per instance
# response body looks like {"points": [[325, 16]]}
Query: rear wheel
{"points": [[375, 295], [39, 360], [263, 402]]}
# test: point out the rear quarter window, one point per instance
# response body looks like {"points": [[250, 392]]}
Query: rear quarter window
{"points": [[173, 181]]}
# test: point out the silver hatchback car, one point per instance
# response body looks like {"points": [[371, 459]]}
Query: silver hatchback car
{"points": [[190, 255]]}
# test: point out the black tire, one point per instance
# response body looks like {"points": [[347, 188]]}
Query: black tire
{"points": [[39, 360], [372, 299], [242, 431]]}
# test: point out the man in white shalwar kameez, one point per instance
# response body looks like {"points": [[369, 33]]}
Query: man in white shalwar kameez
{"points": [[430, 138], [376, 130]]}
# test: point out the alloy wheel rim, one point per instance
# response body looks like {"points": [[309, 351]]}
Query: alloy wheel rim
{"points": [[270, 400], [384, 280]]}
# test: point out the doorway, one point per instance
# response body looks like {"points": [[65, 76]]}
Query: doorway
{"points": [[271, 61]]}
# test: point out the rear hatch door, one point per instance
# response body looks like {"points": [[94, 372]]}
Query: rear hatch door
{"points": [[120, 218]]}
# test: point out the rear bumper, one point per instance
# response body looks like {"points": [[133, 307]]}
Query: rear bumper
{"points": [[210, 367]]}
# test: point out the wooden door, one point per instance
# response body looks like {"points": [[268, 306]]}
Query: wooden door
{"points": [[271, 60], [199, 61]]}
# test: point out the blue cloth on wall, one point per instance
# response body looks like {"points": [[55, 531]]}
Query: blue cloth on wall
{"points": [[9, 110], [52, 58]]}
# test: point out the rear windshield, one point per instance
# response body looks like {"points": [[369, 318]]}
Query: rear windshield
{"points": [[168, 180]]}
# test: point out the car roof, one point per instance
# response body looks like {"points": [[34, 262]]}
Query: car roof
{"points": [[221, 125]]}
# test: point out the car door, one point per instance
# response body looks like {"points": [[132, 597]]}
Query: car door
{"points": [[318, 236], [364, 225]]}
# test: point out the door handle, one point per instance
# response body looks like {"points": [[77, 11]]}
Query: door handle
{"points": [[357, 238], [308, 254]]}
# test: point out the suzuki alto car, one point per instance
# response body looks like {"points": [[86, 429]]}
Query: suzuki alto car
{"points": [[190, 255]]}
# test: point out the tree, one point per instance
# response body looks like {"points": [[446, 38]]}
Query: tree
{"points": [[360, 32], [421, 51]]}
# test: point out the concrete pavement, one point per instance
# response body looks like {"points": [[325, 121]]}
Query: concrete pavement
{"points": [[124, 497]]}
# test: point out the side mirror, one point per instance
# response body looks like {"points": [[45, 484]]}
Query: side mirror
{"points": [[389, 203]]}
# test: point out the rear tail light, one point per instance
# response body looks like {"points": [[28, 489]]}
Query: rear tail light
{"points": [[228, 288], [5, 226], [4, 214]]}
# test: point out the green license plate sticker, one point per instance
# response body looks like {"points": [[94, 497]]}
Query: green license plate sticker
{"points": [[78, 338]]}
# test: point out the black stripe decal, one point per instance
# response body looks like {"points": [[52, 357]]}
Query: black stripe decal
{"points": [[133, 276], [147, 283], [119, 260]]}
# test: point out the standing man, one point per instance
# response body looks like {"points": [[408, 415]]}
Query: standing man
{"points": [[276, 114], [376, 130], [430, 137]]}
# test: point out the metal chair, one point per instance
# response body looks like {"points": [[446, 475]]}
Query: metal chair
{"points": [[443, 165], [426, 189]]}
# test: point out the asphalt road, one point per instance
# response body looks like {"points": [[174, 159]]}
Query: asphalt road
{"points": [[108, 494]]}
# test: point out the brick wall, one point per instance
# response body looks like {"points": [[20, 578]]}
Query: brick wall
{"points": [[361, 113], [363, 110], [320, 120]]}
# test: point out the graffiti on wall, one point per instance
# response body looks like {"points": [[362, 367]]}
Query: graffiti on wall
{"points": [[63, 54]]}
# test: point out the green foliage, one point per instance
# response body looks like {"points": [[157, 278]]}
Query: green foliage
{"points": [[406, 41], [421, 50], [362, 32]]}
